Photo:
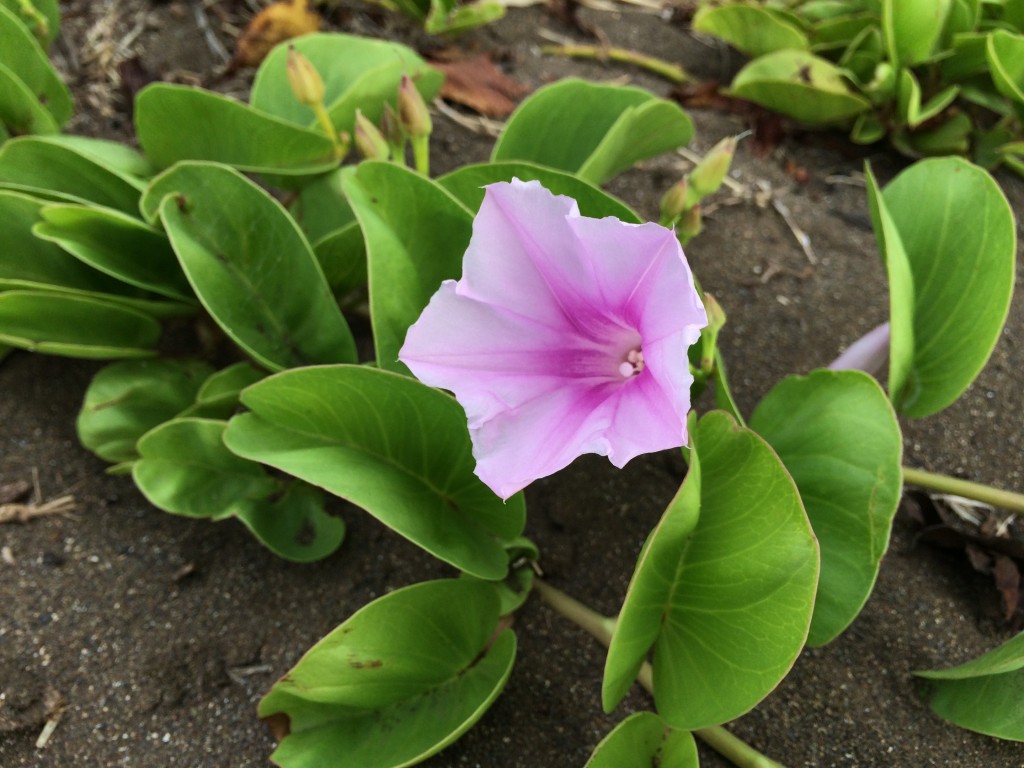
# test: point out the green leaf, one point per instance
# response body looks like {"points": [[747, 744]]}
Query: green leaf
{"points": [[320, 207], [219, 396], [397, 682], [467, 184], [21, 112], [75, 326], [185, 468], [983, 695], [223, 130], [962, 275], [416, 234], [911, 29], [642, 740], [117, 245], [29, 262], [250, 266], [389, 444], [342, 256], [910, 107], [800, 85], [117, 158], [46, 165], [125, 400], [1005, 53], [594, 131], [47, 8], [838, 436], [451, 19], [755, 30], [724, 587], [838, 32], [358, 73], [901, 287], [22, 52]]}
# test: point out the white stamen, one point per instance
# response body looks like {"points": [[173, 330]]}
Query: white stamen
{"points": [[634, 364]]}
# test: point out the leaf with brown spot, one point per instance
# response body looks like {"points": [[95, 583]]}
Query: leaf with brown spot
{"points": [[274, 24], [478, 84]]}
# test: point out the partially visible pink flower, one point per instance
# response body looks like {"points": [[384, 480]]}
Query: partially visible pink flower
{"points": [[868, 353], [566, 335]]}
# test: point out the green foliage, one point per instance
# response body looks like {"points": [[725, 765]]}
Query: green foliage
{"points": [[838, 436], [642, 740], [126, 400], [250, 266], [185, 468], [415, 235], [724, 586], [397, 682], [934, 76], [951, 278], [33, 99], [592, 131], [337, 427], [984, 694]]}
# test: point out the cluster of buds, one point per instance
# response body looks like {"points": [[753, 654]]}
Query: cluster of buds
{"points": [[411, 122], [680, 206]]}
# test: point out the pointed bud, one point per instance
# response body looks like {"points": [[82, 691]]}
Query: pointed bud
{"points": [[391, 129], [716, 315], [675, 202], [369, 140], [690, 224], [306, 83], [413, 110], [707, 177]]}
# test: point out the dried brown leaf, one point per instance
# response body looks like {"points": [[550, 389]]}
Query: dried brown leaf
{"points": [[478, 84], [274, 24]]}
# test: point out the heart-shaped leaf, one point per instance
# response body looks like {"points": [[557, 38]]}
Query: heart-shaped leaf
{"points": [[416, 234], [724, 587], [961, 276], [643, 740], [388, 443], [838, 436], [594, 131], [397, 682], [467, 184], [983, 695], [250, 266], [125, 400], [223, 130]]}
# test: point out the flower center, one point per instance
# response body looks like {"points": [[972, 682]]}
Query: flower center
{"points": [[633, 364]]}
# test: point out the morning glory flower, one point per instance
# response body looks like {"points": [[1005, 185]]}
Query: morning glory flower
{"points": [[566, 335]]}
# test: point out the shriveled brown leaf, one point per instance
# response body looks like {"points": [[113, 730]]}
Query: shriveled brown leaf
{"points": [[1007, 576], [478, 84], [14, 490], [274, 24]]}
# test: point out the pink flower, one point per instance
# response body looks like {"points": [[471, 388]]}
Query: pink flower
{"points": [[566, 335]]}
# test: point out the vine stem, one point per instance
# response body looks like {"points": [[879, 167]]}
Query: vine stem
{"points": [[666, 69], [731, 747], [1014, 502]]}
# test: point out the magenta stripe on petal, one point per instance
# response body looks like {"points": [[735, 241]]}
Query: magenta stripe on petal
{"points": [[565, 335]]}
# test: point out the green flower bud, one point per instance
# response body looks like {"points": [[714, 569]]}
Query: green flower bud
{"points": [[369, 140], [413, 110], [305, 81], [707, 177]]}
